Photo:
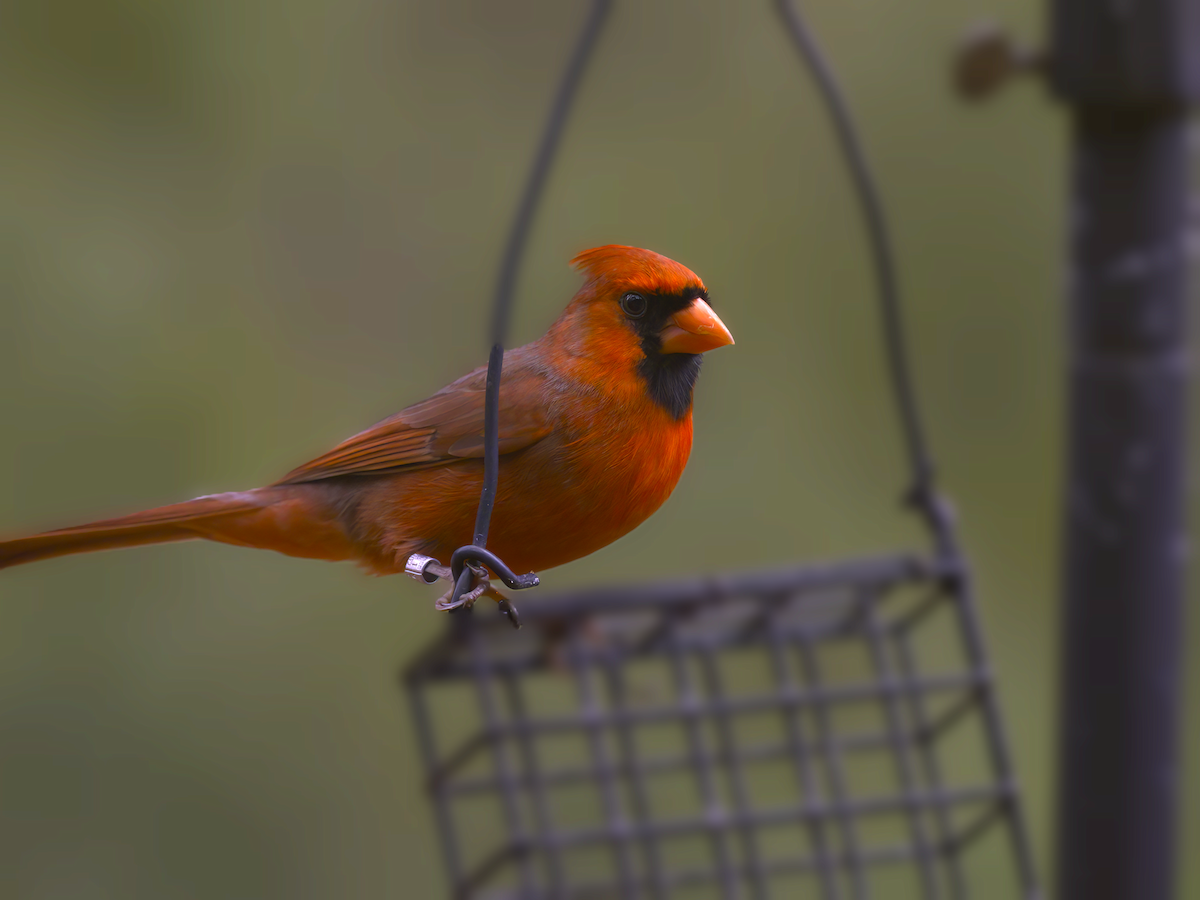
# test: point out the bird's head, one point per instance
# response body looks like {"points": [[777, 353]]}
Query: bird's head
{"points": [[642, 312]]}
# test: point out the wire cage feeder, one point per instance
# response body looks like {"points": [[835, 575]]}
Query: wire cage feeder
{"points": [[826, 731]]}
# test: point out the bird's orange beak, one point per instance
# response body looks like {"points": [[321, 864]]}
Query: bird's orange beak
{"points": [[695, 329]]}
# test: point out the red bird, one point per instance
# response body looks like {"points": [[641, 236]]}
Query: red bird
{"points": [[595, 430]]}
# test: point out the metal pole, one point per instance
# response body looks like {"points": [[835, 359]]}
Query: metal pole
{"points": [[1125, 69]]}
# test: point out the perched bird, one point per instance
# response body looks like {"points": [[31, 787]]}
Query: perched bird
{"points": [[595, 430]]}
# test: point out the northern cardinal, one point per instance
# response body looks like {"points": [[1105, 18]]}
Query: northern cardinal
{"points": [[595, 430]]}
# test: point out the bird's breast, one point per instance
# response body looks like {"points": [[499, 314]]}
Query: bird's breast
{"points": [[603, 473]]}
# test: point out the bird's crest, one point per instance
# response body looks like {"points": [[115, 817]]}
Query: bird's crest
{"points": [[636, 268]]}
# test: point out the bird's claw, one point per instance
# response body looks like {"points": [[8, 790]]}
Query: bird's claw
{"points": [[466, 600], [445, 603]]}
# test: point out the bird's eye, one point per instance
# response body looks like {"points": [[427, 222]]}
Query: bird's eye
{"points": [[633, 305]]}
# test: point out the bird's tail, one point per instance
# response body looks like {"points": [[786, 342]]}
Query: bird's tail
{"points": [[204, 517]]}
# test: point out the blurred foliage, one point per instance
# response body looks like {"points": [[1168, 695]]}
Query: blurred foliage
{"points": [[232, 233]]}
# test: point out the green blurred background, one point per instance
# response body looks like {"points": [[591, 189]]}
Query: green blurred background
{"points": [[233, 233]]}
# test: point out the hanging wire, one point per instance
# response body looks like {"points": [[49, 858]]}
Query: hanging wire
{"points": [[922, 492], [502, 313]]}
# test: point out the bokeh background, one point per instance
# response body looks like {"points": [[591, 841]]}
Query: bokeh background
{"points": [[234, 232]]}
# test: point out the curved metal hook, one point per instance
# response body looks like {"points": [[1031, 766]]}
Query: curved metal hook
{"points": [[483, 556]]}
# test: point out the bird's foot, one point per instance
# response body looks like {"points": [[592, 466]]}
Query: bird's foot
{"points": [[480, 585], [429, 570]]}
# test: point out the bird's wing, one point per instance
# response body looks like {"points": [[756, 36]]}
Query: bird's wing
{"points": [[446, 427]]}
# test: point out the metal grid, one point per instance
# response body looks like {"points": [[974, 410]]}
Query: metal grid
{"points": [[815, 732]]}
